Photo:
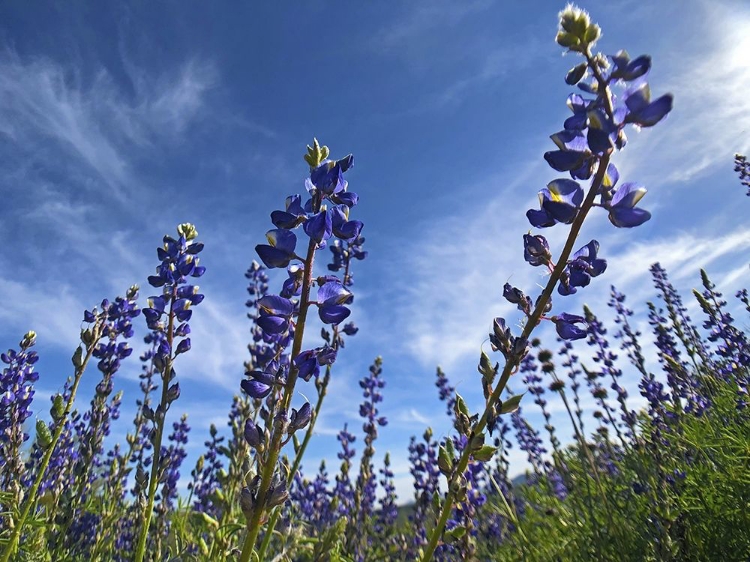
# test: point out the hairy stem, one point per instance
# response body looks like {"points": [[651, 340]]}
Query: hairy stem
{"points": [[512, 365], [253, 524], [153, 481], [31, 496]]}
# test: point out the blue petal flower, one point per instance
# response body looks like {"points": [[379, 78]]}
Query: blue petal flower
{"points": [[644, 112], [280, 248], [319, 227], [565, 325], [622, 211]]}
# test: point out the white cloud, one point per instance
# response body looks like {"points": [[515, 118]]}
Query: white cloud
{"points": [[709, 77], [93, 121], [51, 309]]}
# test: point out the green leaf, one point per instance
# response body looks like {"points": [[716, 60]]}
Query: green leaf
{"points": [[454, 534], [460, 406], [511, 404], [445, 461], [485, 453], [485, 367]]}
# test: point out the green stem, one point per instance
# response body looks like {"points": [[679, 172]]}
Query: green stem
{"points": [[322, 391], [31, 496], [297, 461], [153, 481], [511, 365], [254, 523]]}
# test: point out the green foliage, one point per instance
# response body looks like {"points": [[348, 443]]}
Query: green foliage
{"points": [[704, 515]]}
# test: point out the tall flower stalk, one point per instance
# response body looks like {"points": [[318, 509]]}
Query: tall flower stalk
{"points": [[343, 255], [98, 324], [168, 314], [584, 149], [283, 317], [16, 393]]}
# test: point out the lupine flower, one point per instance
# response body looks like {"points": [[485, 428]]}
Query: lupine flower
{"points": [[275, 314], [343, 228], [343, 256], [119, 315], [16, 394], [170, 461], [280, 248], [309, 362], [536, 250], [447, 393], [319, 226], [559, 202], [312, 499], [328, 176], [206, 476], [565, 324], [178, 264], [332, 296], [529, 441], [259, 385], [292, 217], [742, 167], [426, 475], [582, 266], [344, 490], [621, 206], [605, 358], [299, 418], [515, 296], [388, 512], [644, 112]]}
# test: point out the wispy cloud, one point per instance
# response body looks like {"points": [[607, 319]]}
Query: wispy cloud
{"points": [[710, 79], [90, 119], [423, 17], [447, 315], [53, 310]]}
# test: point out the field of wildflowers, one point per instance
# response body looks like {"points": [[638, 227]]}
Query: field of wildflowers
{"points": [[670, 481]]}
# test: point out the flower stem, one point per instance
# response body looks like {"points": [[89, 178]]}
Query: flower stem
{"points": [[511, 365], [297, 461], [154, 478], [31, 496], [253, 524]]}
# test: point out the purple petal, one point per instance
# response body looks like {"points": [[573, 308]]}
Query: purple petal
{"points": [[628, 195], [334, 292], [333, 313], [255, 389], [272, 257], [540, 218], [622, 217], [276, 306], [564, 160], [653, 112]]}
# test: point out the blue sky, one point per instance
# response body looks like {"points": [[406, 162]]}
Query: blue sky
{"points": [[119, 121]]}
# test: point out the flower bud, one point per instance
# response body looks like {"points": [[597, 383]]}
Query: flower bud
{"points": [[300, 418], [173, 393], [28, 340], [247, 503], [277, 495], [78, 358], [253, 434], [43, 435], [58, 408]]}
